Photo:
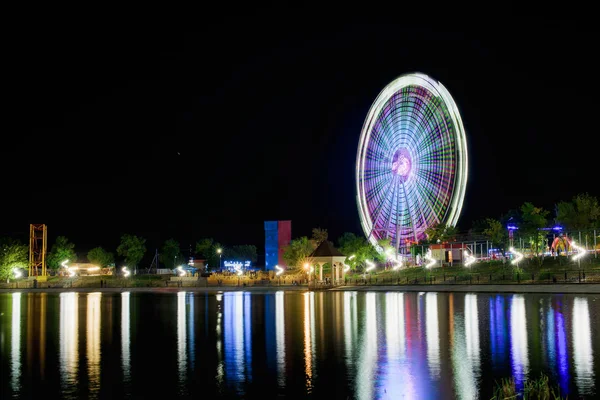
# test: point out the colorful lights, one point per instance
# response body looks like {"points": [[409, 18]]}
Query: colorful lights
{"points": [[279, 270], [412, 161], [370, 267], [429, 257], [516, 253], [126, 272]]}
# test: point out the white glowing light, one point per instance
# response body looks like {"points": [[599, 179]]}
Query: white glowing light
{"points": [[279, 270], [17, 273], [580, 251], [469, 259], [519, 256], [181, 271], [93, 269], [370, 265], [346, 268], [126, 272], [352, 257], [64, 264], [388, 253], [429, 257]]}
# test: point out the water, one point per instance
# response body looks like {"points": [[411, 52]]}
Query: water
{"points": [[292, 344]]}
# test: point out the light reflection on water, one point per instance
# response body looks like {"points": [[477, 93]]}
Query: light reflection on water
{"points": [[362, 345]]}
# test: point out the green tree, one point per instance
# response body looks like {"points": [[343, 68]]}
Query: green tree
{"points": [[297, 252], [495, 233], [213, 259], [204, 248], [440, 232], [132, 248], [13, 254], [319, 236], [581, 213], [171, 255], [351, 245], [61, 250], [241, 253], [533, 220], [101, 257]]}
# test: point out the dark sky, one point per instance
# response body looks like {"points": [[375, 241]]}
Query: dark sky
{"points": [[193, 124]]}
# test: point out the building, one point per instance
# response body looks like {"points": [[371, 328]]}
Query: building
{"points": [[278, 234]]}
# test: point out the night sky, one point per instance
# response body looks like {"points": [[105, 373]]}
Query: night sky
{"points": [[204, 124]]}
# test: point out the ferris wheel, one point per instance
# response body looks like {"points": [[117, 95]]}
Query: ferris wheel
{"points": [[412, 162]]}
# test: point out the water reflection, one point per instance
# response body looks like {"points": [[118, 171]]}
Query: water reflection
{"points": [[69, 341], [433, 335], [15, 339], [465, 349], [472, 333], [93, 340], [280, 336], [362, 345], [582, 347], [397, 376], [367, 358], [518, 340], [309, 337], [181, 333], [125, 336], [237, 338]]}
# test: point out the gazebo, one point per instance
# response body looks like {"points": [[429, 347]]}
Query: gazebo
{"points": [[325, 253]]}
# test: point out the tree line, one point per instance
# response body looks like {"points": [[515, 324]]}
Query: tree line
{"points": [[132, 248]]}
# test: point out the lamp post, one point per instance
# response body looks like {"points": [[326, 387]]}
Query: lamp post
{"points": [[219, 251]]}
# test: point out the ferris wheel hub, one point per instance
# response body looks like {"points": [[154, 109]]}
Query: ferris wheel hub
{"points": [[401, 163]]}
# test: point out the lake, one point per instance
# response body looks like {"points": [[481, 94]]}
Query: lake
{"points": [[361, 345]]}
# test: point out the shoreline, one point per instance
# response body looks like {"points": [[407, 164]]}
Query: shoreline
{"points": [[575, 288]]}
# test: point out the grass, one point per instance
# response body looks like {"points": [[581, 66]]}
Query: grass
{"points": [[533, 389], [490, 272]]}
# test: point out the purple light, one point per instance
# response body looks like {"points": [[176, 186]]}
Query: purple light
{"points": [[512, 227]]}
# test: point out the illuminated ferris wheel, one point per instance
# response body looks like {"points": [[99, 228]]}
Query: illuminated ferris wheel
{"points": [[411, 167]]}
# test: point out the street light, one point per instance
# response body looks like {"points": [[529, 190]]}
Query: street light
{"points": [[219, 251]]}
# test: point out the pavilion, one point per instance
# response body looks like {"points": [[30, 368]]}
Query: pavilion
{"points": [[325, 253]]}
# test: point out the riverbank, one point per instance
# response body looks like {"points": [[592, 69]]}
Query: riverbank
{"points": [[579, 288]]}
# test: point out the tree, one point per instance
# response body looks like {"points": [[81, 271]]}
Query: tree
{"points": [[13, 254], [132, 248], [319, 236], [61, 250], [171, 255], [204, 247], [533, 220], [101, 257], [297, 252], [495, 233], [440, 232], [581, 213], [351, 245], [242, 253]]}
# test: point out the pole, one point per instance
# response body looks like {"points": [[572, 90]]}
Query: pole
{"points": [[595, 245]]}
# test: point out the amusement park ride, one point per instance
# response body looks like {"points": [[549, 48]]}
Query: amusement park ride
{"points": [[38, 239], [412, 162]]}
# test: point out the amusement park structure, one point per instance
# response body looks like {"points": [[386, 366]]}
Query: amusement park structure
{"points": [[412, 162], [37, 250]]}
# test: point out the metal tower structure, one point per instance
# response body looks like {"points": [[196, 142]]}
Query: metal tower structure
{"points": [[37, 249]]}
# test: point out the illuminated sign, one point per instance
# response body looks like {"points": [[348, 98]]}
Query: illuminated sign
{"points": [[237, 264]]}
